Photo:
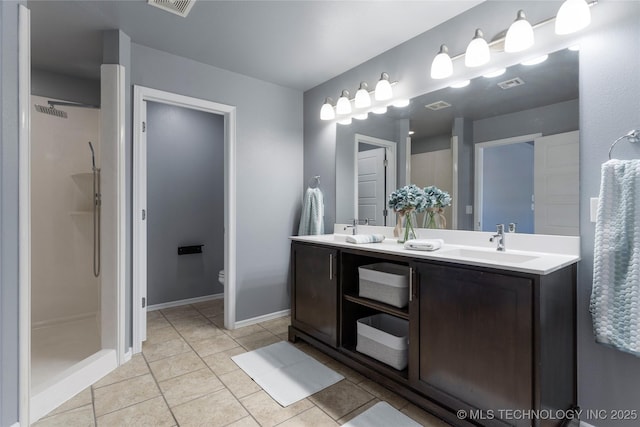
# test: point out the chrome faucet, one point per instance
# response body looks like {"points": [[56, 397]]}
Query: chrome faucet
{"points": [[500, 235], [353, 227]]}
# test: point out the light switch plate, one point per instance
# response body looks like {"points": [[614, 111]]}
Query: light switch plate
{"points": [[593, 208]]}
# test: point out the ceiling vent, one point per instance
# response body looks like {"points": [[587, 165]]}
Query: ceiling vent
{"points": [[438, 105], [179, 7], [511, 83]]}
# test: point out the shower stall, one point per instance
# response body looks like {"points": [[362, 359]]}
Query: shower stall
{"points": [[65, 238]]}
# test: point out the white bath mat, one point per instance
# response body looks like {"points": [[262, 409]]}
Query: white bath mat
{"points": [[286, 373], [382, 415]]}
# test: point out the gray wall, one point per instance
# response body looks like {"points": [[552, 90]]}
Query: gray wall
{"points": [[9, 125], [609, 107], [60, 86], [268, 167], [548, 120], [185, 202], [429, 144]]}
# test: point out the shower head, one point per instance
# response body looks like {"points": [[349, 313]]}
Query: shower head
{"points": [[93, 156], [51, 110]]}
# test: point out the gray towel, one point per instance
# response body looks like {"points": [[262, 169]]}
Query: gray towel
{"points": [[312, 217], [615, 297]]}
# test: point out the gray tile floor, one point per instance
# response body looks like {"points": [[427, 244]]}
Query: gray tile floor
{"points": [[185, 377]]}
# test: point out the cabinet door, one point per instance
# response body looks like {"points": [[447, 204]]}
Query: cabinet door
{"points": [[315, 292], [475, 339]]}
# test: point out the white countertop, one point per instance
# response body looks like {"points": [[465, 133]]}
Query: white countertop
{"points": [[525, 261]]}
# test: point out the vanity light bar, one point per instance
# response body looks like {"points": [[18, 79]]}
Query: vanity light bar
{"points": [[438, 72], [343, 109]]}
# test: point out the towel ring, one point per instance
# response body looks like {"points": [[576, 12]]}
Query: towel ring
{"points": [[632, 136], [315, 180]]}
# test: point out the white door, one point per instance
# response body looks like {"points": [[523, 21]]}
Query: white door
{"points": [[556, 184], [371, 185]]}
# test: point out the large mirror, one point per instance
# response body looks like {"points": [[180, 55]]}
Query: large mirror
{"points": [[505, 147]]}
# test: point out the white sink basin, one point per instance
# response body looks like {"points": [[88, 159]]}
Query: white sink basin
{"points": [[332, 237], [490, 255]]}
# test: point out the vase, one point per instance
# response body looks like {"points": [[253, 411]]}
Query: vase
{"points": [[434, 218], [409, 232], [430, 219]]}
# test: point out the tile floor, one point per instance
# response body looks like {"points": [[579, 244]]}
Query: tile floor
{"points": [[185, 377]]}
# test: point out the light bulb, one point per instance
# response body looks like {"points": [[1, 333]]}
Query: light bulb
{"points": [[520, 35], [379, 110], [535, 61], [442, 67], [346, 121], [573, 16], [327, 112], [363, 99], [401, 103], [343, 106], [383, 88], [362, 116], [495, 73], [460, 84], [477, 53]]}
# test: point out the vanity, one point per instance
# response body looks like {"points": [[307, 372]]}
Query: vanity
{"points": [[491, 335]]}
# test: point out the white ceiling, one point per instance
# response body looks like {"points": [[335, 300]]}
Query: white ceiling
{"points": [[297, 44]]}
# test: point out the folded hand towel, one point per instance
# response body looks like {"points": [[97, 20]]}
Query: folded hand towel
{"points": [[424, 244], [365, 238]]}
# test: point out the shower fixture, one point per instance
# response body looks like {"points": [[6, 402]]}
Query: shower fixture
{"points": [[53, 111], [97, 202]]}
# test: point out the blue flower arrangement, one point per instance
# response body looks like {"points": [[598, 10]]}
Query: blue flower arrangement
{"points": [[437, 200], [405, 201], [407, 198]]}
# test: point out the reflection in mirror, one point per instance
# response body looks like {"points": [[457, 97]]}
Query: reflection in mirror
{"points": [[505, 148], [375, 179]]}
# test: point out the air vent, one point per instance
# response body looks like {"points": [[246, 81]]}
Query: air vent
{"points": [[438, 105], [508, 84], [179, 7]]}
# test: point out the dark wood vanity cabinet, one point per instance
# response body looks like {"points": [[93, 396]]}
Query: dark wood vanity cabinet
{"points": [[315, 291], [493, 343], [475, 332]]}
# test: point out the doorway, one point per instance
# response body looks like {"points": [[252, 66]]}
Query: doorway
{"points": [[374, 179], [142, 98]]}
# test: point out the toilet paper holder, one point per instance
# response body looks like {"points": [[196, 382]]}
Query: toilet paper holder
{"points": [[188, 250]]}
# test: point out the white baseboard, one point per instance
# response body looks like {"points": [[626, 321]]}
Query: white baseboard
{"points": [[16, 425], [71, 382], [128, 355], [263, 318], [184, 302], [66, 319]]}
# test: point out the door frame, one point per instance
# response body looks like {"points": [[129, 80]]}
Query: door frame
{"points": [[479, 163], [391, 175], [24, 218], [141, 96]]}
